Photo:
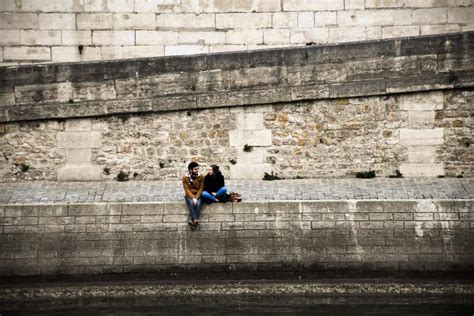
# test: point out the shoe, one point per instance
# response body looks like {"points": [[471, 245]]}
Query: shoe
{"points": [[196, 224], [191, 225]]}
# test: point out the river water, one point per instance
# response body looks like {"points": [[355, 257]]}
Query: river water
{"points": [[225, 305]]}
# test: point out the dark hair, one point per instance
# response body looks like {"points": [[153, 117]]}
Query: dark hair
{"points": [[215, 169], [192, 165]]}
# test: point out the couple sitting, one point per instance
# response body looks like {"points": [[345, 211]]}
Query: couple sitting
{"points": [[198, 188]]}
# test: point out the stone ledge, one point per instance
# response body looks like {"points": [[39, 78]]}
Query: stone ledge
{"points": [[234, 79]]}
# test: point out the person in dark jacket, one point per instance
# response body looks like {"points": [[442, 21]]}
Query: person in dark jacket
{"points": [[214, 186], [193, 184]]}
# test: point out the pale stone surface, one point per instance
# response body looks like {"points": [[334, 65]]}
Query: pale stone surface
{"points": [[40, 37], [76, 37], [258, 137], [248, 120], [53, 92], [185, 50], [235, 20], [244, 37], [156, 38], [311, 5], [79, 172], [255, 156], [7, 97], [249, 171], [305, 19], [153, 5], [280, 36], [341, 34], [439, 29], [461, 15], [325, 18], [51, 5], [72, 53], [285, 20], [384, 3], [78, 156], [202, 37], [369, 17], [430, 16], [421, 154], [179, 21], [142, 51], [421, 136], [57, 21], [354, 4], [78, 125], [9, 37], [422, 101], [97, 21], [109, 5], [421, 119], [137, 21], [422, 169], [400, 31], [315, 35], [113, 37], [79, 139], [8, 5]]}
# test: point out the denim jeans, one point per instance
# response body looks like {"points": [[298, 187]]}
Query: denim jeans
{"points": [[208, 197], [194, 210]]}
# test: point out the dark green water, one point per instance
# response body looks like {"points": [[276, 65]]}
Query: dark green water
{"points": [[224, 305]]}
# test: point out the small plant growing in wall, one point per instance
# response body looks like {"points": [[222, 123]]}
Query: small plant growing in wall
{"points": [[233, 161], [271, 177], [122, 176], [23, 167], [162, 165], [365, 174], [397, 175], [248, 148], [106, 170]]}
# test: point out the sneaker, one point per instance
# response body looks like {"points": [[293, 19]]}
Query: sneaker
{"points": [[191, 225]]}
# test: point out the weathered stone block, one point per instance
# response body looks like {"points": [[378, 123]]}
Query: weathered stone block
{"points": [[86, 139], [422, 169], [261, 137], [156, 208], [94, 91], [27, 53], [252, 20], [7, 97], [347, 34], [78, 156], [134, 21], [96, 21], [251, 171], [109, 5], [278, 36], [18, 21], [284, 20], [72, 53], [384, 4], [366, 17], [50, 37], [115, 38], [257, 155], [57, 21], [156, 38], [142, 51], [171, 21], [422, 136], [461, 15], [317, 35], [51, 6], [421, 154], [309, 5], [76, 37], [9, 37], [400, 31], [79, 172], [54, 92], [175, 50], [421, 119], [430, 16], [426, 101], [202, 37]]}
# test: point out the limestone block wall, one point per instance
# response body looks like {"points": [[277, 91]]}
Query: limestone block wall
{"points": [[423, 235], [308, 139], [80, 30]]}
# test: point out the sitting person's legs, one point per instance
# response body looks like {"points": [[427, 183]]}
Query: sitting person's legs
{"points": [[209, 197], [222, 191], [192, 208]]}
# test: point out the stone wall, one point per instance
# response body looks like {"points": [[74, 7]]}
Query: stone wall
{"points": [[80, 30], [420, 134], [424, 235]]}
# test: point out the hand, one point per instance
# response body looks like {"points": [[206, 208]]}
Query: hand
{"points": [[195, 201], [214, 193]]}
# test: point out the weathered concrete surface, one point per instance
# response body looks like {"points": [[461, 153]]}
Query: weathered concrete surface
{"points": [[377, 235], [235, 79]]}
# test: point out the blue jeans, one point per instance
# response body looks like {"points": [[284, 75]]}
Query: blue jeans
{"points": [[211, 198], [194, 210]]}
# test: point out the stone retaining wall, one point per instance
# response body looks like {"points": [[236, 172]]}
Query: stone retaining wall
{"points": [[81, 30], [421, 235]]}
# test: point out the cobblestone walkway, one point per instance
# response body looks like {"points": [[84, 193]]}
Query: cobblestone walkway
{"points": [[318, 189]]}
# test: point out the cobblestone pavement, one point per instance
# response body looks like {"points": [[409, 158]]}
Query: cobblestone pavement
{"points": [[317, 189]]}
